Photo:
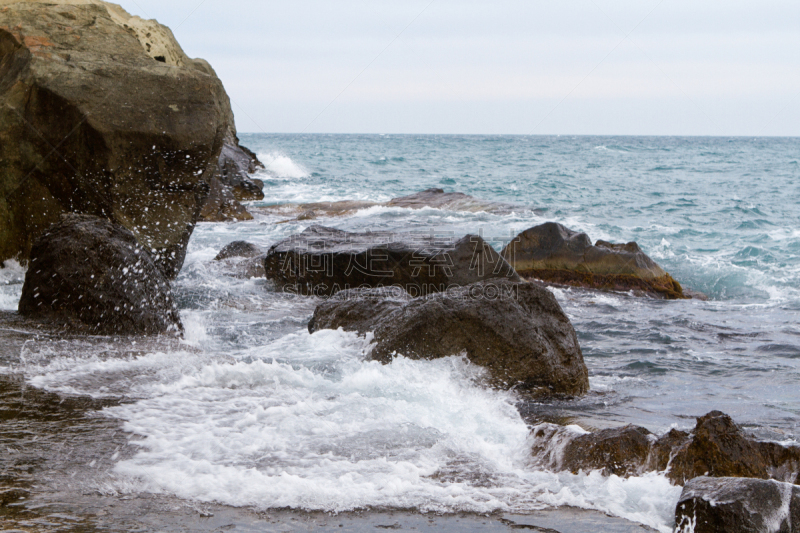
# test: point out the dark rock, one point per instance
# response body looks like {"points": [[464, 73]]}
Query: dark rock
{"points": [[239, 249], [244, 260], [517, 331], [738, 505], [103, 113], [12, 495], [323, 261], [88, 269], [236, 163], [221, 205], [719, 448], [359, 310], [619, 451], [556, 254]]}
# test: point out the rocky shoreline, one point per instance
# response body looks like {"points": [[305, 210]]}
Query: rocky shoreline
{"points": [[146, 148]]}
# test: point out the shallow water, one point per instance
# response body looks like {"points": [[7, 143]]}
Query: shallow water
{"points": [[252, 412]]}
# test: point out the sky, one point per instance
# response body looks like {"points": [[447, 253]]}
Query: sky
{"points": [[580, 67]]}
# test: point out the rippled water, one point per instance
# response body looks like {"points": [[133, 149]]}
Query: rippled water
{"points": [[251, 411]]}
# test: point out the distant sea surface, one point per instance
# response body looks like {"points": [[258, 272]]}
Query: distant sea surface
{"points": [[250, 411]]}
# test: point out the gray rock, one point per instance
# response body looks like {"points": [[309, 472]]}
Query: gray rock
{"points": [[89, 270], [738, 505], [323, 261], [517, 331]]}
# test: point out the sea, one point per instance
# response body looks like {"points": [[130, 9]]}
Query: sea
{"points": [[248, 411]]}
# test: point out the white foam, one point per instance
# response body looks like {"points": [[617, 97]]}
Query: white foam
{"points": [[194, 326], [305, 422], [281, 166], [12, 277]]}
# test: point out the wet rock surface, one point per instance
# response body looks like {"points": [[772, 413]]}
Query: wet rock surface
{"points": [[517, 331], [322, 261], [222, 206], [717, 447], [236, 163], [619, 451], [738, 505], [239, 249], [103, 113], [243, 259], [88, 270], [434, 198], [554, 253]]}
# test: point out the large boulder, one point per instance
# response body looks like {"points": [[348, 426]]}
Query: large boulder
{"points": [[515, 330], [323, 261], [103, 113], [717, 447], [90, 270], [738, 505], [554, 253]]}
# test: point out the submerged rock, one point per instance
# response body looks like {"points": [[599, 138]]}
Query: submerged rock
{"points": [[322, 261], [554, 253], [436, 198], [90, 270], [102, 113], [717, 447], [712, 505], [243, 259], [451, 201], [239, 249], [517, 331]]}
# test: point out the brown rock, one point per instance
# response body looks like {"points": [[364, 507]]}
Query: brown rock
{"points": [[619, 451], [515, 330], [556, 254], [719, 448], [102, 113]]}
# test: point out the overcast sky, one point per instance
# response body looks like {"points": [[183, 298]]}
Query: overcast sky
{"points": [[639, 67]]}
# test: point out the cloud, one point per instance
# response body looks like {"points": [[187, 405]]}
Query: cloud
{"points": [[513, 66]]}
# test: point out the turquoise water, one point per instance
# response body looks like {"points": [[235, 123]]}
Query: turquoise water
{"points": [[722, 215], [252, 411]]}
